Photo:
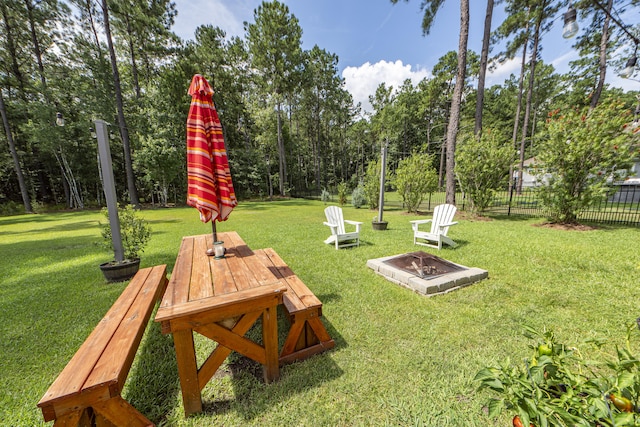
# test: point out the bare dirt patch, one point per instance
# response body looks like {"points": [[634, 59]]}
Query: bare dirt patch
{"points": [[566, 227], [472, 217]]}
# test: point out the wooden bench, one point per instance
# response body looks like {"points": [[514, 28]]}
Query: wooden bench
{"points": [[87, 391], [307, 335]]}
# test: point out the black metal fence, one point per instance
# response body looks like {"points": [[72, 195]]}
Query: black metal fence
{"points": [[622, 207]]}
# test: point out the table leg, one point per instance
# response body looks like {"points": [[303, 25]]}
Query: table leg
{"points": [[270, 340], [188, 371]]}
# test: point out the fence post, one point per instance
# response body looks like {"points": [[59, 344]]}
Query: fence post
{"points": [[510, 200]]}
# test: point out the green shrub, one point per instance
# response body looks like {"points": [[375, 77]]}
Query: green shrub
{"points": [[325, 196], [135, 232], [482, 167], [11, 208], [415, 178], [358, 197], [342, 193], [371, 184], [585, 151]]}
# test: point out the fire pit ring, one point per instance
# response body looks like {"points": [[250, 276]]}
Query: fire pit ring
{"points": [[426, 274]]}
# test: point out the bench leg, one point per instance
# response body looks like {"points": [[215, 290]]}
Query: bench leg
{"points": [[270, 341], [188, 371], [307, 336], [73, 419], [118, 412]]}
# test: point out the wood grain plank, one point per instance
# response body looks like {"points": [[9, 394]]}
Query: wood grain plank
{"points": [[293, 336], [176, 292], [201, 283], [72, 419], [119, 412], [262, 273], [223, 282], [215, 359], [75, 402], [115, 362], [187, 371], [298, 287], [216, 309], [270, 340], [292, 302], [242, 274], [234, 341], [73, 376]]}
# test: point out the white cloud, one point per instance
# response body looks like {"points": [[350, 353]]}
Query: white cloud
{"points": [[363, 81], [502, 71], [227, 15]]}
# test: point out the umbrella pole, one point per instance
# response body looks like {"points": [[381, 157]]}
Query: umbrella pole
{"points": [[214, 231]]}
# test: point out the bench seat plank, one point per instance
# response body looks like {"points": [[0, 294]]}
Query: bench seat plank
{"points": [[97, 371], [301, 298], [307, 334], [117, 358], [74, 375]]}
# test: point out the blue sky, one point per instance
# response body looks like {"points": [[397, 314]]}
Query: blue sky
{"points": [[377, 41]]}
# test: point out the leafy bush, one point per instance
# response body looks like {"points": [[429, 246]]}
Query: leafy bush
{"points": [[558, 386], [482, 167], [584, 153], [371, 182], [325, 196], [11, 208], [415, 178], [358, 197], [135, 232], [342, 193]]}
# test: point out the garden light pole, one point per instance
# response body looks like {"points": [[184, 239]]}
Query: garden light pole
{"points": [[109, 186], [383, 165]]}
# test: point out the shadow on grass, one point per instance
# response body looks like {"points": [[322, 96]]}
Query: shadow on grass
{"points": [[153, 384], [252, 396], [75, 226]]}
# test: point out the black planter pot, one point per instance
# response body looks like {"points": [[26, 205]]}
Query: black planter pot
{"points": [[379, 225], [119, 272]]}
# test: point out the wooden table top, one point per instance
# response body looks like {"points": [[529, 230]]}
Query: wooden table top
{"points": [[201, 283]]}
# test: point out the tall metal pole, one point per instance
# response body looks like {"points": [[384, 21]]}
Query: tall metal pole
{"points": [[382, 179], [109, 186]]}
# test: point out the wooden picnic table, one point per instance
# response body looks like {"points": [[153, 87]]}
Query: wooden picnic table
{"points": [[220, 299]]}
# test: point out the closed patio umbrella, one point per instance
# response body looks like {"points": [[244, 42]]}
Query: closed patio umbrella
{"points": [[210, 189]]}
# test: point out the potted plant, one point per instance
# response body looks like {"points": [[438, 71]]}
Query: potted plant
{"points": [[135, 233], [377, 224]]}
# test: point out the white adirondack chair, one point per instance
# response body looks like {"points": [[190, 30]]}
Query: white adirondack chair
{"points": [[440, 223], [339, 236]]}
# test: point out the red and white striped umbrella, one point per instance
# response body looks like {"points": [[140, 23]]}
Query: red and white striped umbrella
{"points": [[210, 188]]}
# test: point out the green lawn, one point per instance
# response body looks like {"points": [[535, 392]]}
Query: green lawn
{"points": [[400, 358]]}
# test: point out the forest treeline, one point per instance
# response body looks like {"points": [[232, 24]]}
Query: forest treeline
{"points": [[290, 125]]}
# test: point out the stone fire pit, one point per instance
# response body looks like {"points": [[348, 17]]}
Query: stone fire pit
{"points": [[426, 274]]}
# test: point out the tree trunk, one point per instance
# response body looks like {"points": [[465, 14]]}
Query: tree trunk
{"points": [[124, 132], [516, 121], [603, 58], [132, 54], [527, 109], [11, 49], [483, 67], [36, 47], [16, 160], [454, 118]]}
